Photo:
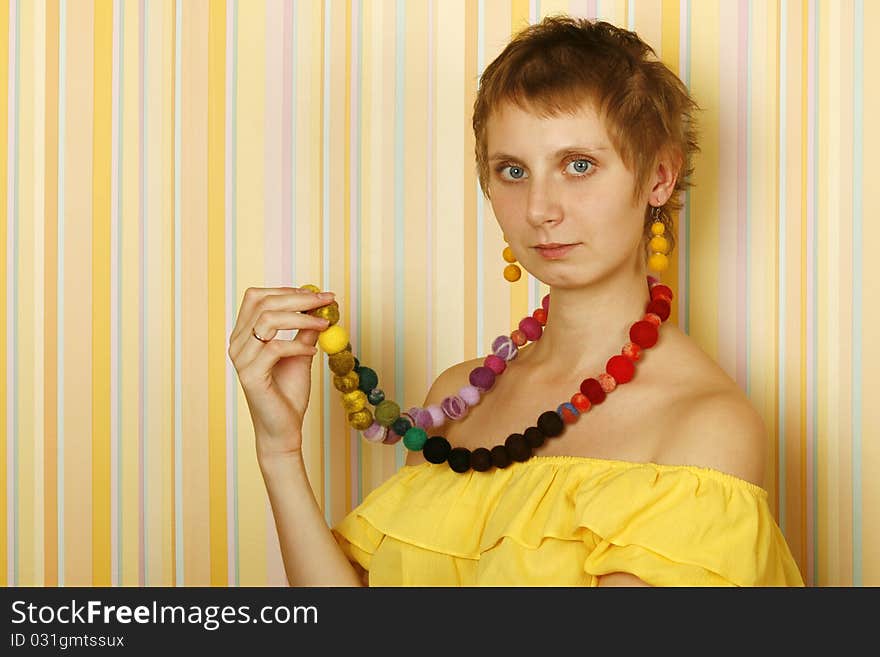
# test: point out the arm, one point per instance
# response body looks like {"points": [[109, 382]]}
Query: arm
{"points": [[311, 555]]}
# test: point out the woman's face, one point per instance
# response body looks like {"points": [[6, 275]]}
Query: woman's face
{"points": [[559, 181]]}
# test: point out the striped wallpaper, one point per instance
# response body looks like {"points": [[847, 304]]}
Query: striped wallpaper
{"points": [[161, 156]]}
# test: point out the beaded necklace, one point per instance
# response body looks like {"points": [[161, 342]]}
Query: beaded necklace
{"points": [[359, 387]]}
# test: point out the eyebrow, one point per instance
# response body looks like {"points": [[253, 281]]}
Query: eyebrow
{"points": [[562, 151]]}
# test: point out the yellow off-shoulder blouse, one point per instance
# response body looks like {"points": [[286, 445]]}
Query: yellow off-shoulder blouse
{"points": [[564, 521]]}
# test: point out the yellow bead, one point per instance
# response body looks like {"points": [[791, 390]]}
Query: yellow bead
{"points": [[657, 228], [354, 401], [512, 273], [658, 262], [333, 340], [659, 244], [360, 420], [310, 288], [347, 383], [507, 254], [341, 363]]}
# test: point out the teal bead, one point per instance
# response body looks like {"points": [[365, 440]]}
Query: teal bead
{"points": [[401, 425], [376, 396], [368, 379], [415, 439], [387, 412]]}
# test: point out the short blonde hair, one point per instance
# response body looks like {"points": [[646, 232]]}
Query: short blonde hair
{"points": [[554, 66]]}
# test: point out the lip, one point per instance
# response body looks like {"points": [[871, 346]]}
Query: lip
{"points": [[554, 251]]}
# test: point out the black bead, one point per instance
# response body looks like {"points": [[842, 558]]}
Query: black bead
{"points": [[481, 459], [518, 447], [460, 459], [534, 437], [500, 458], [550, 424], [436, 449]]}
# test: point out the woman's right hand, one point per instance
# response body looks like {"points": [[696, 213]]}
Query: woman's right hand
{"points": [[276, 375]]}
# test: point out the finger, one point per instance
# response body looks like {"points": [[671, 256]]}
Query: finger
{"points": [[248, 347], [297, 300], [308, 336], [261, 367], [253, 296]]}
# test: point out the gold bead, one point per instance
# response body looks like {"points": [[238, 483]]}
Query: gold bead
{"points": [[657, 228], [330, 312], [360, 420], [347, 383], [507, 254], [512, 273], [310, 288], [659, 244], [658, 262], [354, 401], [341, 363]]}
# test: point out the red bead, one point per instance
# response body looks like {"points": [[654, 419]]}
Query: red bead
{"points": [[581, 402], [541, 315], [518, 337], [621, 368], [494, 363], [661, 291], [607, 382], [644, 334], [568, 417], [545, 303], [654, 319], [530, 328], [593, 390], [631, 351], [659, 307]]}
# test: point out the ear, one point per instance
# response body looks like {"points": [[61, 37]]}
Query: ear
{"points": [[665, 177]]}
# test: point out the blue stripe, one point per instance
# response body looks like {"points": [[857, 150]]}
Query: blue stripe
{"points": [[233, 95], [120, 113], [59, 338], [783, 163], [178, 309], [814, 396], [481, 284], [857, 270], [399, 262], [631, 15], [15, 265], [325, 242]]}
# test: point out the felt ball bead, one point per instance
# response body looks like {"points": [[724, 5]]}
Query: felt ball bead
{"points": [[422, 418], [481, 459], [654, 319], [518, 337], [504, 348], [659, 307], [658, 262], [659, 244], [333, 339], [454, 407], [541, 315], [347, 383], [496, 364], [500, 457], [507, 254], [531, 328], [631, 351], [592, 389], [568, 413], [581, 402], [643, 334], [534, 437], [368, 379], [545, 303], [652, 280], [459, 459], [387, 412], [658, 228], [330, 312], [659, 291], [621, 368], [414, 439], [512, 273], [518, 447], [436, 449], [375, 433], [376, 396], [607, 382], [391, 437], [341, 363], [314, 289], [361, 419], [438, 417], [482, 378], [470, 394], [401, 425], [353, 401], [550, 424]]}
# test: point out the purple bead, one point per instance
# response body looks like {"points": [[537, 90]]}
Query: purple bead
{"points": [[545, 303], [497, 365], [423, 418], [470, 394], [504, 348], [482, 378], [392, 437], [438, 417], [531, 328], [375, 433], [454, 407]]}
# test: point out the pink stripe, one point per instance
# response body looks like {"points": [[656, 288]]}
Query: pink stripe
{"points": [[142, 192], [288, 275], [741, 195], [811, 291]]}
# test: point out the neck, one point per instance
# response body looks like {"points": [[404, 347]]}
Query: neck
{"points": [[585, 327]]}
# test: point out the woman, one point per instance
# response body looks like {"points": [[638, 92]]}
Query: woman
{"points": [[609, 451]]}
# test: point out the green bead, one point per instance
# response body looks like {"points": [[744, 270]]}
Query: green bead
{"points": [[368, 379], [401, 425], [341, 363], [347, 383], [387, 412], [415, 439], [376, 396]]}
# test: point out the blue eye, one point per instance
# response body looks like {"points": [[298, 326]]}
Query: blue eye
{"points": [[516, 173], [580, 166]]}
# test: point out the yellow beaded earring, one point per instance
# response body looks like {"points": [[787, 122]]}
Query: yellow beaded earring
{"points": [[659, 245], [512, 272]]}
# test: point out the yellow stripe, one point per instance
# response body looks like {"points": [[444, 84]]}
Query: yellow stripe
{"points": [[804, 191], [669, 55], [217, 338], [4, 148], [469, 182], [519, 291], [614, 12], [346, 214]]}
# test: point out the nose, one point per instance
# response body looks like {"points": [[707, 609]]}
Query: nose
{"points": [[542, 204]]}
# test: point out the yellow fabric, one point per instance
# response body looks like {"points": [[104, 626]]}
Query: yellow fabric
{"points": [[563, 521]]}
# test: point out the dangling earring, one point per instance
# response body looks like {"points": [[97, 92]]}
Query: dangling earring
{"points": [[659, 245], [512, 272]]}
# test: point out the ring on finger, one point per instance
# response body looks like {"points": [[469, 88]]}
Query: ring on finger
{"points": [[254, 331]]}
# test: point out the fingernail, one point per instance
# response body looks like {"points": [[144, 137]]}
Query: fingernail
{"points": [[326, 295]]}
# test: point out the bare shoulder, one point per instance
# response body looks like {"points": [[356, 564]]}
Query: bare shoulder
{"points": [[715, 425], [447, 383]]}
